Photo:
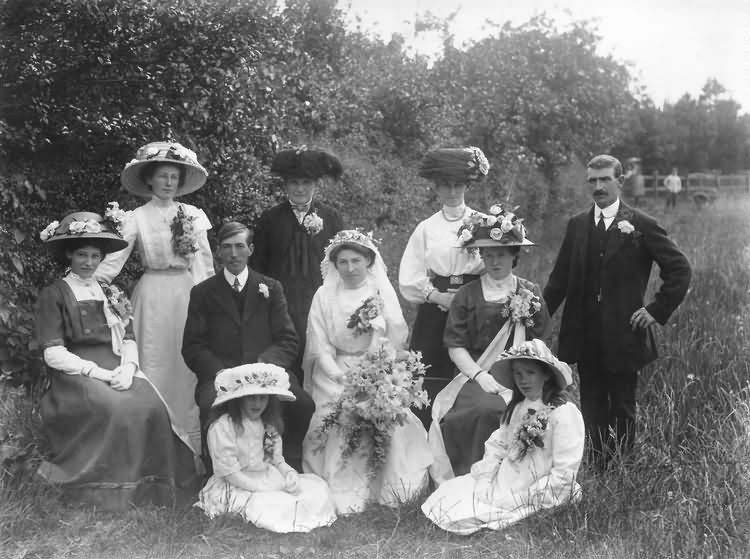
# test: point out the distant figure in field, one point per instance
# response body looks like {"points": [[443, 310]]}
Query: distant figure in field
{"points": [[673, 185], [634, 178], [602, 271]]}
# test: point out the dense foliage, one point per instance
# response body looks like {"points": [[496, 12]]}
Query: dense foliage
{"points": [[85, 82]]}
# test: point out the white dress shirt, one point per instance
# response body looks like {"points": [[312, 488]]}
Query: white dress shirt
{"points": [[242, 278], [610, 212]]}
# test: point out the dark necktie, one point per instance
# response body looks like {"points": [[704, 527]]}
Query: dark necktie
{"points": [[236, 285], [600, 227]]}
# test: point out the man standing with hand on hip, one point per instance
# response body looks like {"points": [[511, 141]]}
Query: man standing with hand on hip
{"points": [[602, 271]]}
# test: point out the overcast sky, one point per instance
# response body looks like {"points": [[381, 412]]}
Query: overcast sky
{"points": [[674, 45]]}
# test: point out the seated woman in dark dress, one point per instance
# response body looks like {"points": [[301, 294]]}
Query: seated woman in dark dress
{"points": [[485, 318], [108, 428]]}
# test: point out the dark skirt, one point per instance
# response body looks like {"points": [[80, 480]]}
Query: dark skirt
{"points": [[427, 337], [113, 448], [466, 427]]}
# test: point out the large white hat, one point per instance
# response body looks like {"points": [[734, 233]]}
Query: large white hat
{"points": [[252, 379], [163, 152], [536, 350]]}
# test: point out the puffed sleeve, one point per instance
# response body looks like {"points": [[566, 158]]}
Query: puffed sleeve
{"points": [[222, 444], [413, 279], [567, 438], [114, 261], [202, 264], [320, 354], [495, 451], [456, 332]]}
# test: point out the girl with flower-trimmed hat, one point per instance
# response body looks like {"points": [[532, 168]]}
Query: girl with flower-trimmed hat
{"points": [[531, 461], [170, 239], [251, 478], [485, 317], [111, 441]]}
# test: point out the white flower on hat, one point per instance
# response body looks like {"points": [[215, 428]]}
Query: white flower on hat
{"points": [[507, 225], [466, 236], [49, 231], [496, 233], [491, 220], [496, 209], [88, 226], [625, 227]]}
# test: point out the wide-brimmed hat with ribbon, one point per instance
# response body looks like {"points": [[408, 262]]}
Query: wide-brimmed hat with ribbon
{"points": [[304, 162], [83, 225], [454, 164], [499, 227], [252, 379], [163, 152], [536, 350]]}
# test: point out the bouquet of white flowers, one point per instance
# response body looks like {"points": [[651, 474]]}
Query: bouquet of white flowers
{"points": [[378, 392]]}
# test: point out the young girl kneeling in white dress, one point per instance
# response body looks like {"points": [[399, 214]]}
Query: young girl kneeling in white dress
{"points": [[530, 463], [251, 478]]}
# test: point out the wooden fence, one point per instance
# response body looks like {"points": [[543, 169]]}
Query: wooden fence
{"points": [[728, 184]]}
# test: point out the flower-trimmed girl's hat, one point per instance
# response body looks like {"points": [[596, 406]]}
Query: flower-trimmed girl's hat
{"points": [[133, 178], [252, 379], [454, 164], [82, 225], [535, 350], [498, 228], [306, 163]]}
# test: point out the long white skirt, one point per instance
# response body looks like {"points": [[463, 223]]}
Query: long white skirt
{"points": [[160, 304]]}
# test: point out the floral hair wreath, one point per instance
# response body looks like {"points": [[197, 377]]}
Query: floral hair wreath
{"points": [[356, 236], [501, 222]]}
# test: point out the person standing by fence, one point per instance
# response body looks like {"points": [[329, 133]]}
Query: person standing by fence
{"points": [[673, 185]]}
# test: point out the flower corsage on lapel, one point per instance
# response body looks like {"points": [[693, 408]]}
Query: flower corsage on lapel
{"points": [[263, 290], [361, 319], [312, 223], [625, 227], [184, 235]]}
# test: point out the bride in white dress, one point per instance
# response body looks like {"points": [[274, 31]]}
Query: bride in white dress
{"points": [[353, 271]]}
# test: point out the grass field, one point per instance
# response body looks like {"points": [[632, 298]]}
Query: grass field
{"points": [[683, 493]]}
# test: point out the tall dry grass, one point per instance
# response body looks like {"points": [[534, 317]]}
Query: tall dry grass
{"points": [[682, 493]]}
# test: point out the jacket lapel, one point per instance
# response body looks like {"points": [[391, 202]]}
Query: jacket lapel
{"points": [[222, 292], [251, 295], [615, 238]]}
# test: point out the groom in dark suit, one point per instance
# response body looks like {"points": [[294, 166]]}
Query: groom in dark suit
{"points": [[239, 316], [601, 272]]}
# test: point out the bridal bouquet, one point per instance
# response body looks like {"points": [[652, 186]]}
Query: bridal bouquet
{"points": [[378, 392], [184, 237]]}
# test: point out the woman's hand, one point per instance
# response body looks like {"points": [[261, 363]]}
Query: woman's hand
{"points": [[291, 482], [123, 377], [488, 383], [442, 300], [104, 375]]}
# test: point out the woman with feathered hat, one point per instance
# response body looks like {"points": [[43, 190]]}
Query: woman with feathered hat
{"points": [[432, 269], [170, 238], [109, 431]]}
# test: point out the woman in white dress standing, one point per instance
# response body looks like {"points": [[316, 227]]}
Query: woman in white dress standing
{"points": [[353, 271], [432, 267], [171, 241], [530, 463]]}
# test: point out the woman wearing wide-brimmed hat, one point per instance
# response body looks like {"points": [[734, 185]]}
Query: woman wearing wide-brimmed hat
{"points": [[432, 269], [531, 461], [170, 238], [485, 317], [109, 431]]}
